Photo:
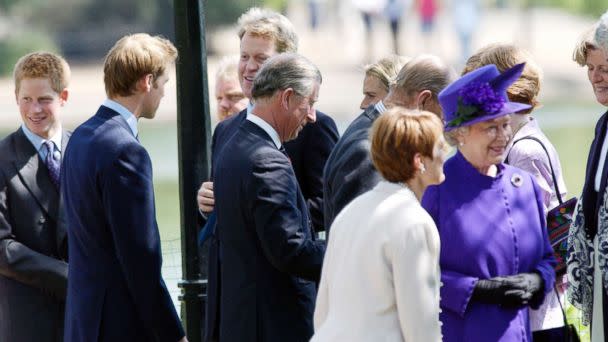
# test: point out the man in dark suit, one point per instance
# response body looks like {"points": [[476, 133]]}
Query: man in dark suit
{"points": [[263, 34], [116, 291], [33, 243], [269, 256], [349, 171]]}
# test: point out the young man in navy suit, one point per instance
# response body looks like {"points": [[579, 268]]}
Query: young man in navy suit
{"points": [[270, 258], [33, 242], [116, 291]]}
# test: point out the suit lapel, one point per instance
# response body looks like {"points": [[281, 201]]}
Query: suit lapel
{"points": [[34, 175]]}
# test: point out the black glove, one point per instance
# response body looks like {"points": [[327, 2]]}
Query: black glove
{"points": [[511, 291]]}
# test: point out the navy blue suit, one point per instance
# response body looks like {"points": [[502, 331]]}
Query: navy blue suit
{"points": [[349, 170], [308, 153], [115, 288], [268, 254]]}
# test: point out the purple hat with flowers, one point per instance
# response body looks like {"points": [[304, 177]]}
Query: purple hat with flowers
{"points": [[480, 95]]}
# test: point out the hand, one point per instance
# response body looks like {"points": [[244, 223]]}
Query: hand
{"points": [[511, 291], [205, 198]]}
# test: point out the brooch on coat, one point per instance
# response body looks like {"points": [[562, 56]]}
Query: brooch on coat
{"points": [[517, 180]]}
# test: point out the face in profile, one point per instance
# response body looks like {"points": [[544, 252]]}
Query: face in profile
{"points": [[434, 166], [40, 106], [485, 144], [152, 99], [301, 111], [255, 50], [230, 98], [597, 72], [373, 91]]}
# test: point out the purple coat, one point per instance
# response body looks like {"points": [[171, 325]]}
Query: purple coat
{"points": [[488, 227]]}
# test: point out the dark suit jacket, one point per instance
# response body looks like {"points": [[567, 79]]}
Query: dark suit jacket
{"points": [[115, 292], [592, 202], [349, 171], [33, 254], [268, 254], [308, 153]]}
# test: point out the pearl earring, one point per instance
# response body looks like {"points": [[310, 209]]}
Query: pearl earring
{"points": [[461, 143], [422, 168]]}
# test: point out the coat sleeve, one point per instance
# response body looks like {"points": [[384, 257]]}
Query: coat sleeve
{"points": [[456, 288], [356, 175], [22, 263], [322, 302], [319, 144], [415, 267], [285, 239], [128, 199], [545, 267]]}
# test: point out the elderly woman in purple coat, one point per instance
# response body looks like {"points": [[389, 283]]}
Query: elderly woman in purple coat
{"points": [[496, 260]]}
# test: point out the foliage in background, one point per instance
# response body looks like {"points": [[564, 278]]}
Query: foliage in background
{"points": [[16, 45], [593, 8]]}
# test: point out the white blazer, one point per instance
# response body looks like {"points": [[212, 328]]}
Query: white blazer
{"points": [[380, 279]]}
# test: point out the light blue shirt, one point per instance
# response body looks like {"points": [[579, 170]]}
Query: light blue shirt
{"points": [[124, 112], [38, 142], [380, 107]]}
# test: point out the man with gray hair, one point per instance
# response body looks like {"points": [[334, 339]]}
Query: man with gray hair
{"points": [[349, 171], [601, 32], [270, 258]]}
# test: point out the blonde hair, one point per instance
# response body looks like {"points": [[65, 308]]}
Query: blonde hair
{"points": [[227, 69], [505, 56], [131, 58], [43, 65], [269, 25], [386, 69], [586, 42], [397, 135]]}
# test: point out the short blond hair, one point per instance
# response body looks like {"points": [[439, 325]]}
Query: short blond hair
{"points": [[505, 56], [396, 137], [386, 69], [43, 64], [586, 42], [133, 57], [269, 25], [227, 69]]}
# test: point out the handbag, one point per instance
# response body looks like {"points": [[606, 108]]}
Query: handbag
{"points": [[566, 333], [558, 218]]}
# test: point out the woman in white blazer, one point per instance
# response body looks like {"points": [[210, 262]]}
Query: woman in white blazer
{"points": [[380, 278]]}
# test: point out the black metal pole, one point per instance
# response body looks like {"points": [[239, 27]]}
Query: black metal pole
{"points": [[193, 136]]}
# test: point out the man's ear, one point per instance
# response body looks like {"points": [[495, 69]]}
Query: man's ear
{"points": [[285, 97], [145, 83], [423, 99], [63, 96]]}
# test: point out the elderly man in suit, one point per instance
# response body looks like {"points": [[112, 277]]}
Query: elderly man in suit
{"points": [[33, 249], [263, 34], [116, 291], [270, 258], [349, 171]]}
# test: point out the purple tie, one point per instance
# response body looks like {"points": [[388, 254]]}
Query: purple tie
{"points": [[52, 164]]}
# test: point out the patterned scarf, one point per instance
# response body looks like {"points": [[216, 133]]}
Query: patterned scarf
{"points": [[581, 258]]}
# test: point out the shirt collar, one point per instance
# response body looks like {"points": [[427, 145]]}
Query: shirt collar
{"points": [[265, 126], [380, 107], [37, 141], [124, 112]]}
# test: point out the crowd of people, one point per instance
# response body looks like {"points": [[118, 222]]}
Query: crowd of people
{"points": [[418, 246]]}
